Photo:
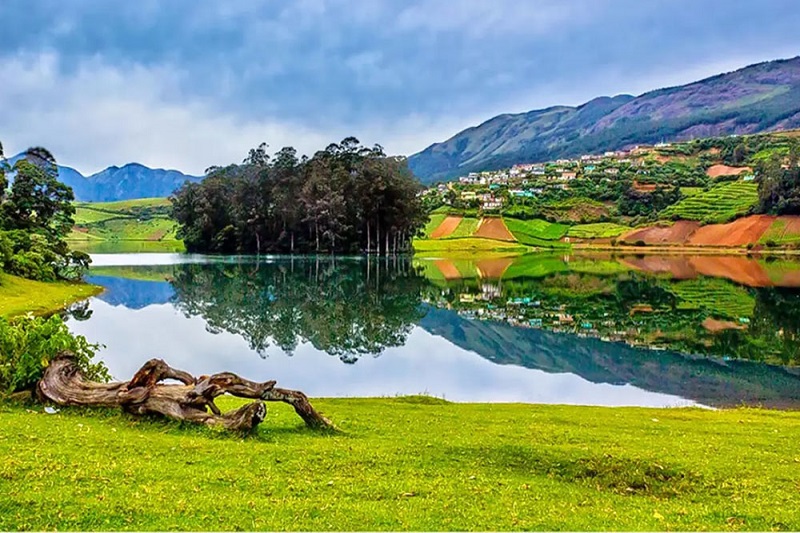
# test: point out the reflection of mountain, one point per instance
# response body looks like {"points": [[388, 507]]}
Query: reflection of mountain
{"points": [[707, 381], [133, 293]]}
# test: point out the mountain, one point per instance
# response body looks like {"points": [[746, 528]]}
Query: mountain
{"points": [[761, 97], [120, 183]]}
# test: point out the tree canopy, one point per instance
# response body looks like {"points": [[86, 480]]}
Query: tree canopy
{"points": [[347, 198], [35, 216]]}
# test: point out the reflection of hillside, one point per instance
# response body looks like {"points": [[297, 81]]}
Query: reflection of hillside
{"points": [[708, 381], [743, 270], [132, 293]]}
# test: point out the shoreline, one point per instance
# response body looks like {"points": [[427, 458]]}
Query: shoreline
{"points": [[20, 296]]}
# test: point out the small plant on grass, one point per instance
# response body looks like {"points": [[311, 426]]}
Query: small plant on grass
{"points": [[28, 344]]}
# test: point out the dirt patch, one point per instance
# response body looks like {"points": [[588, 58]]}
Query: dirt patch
{"points": [[448, 269], [493, 268], [447, 227], [738, 269], [494, 228], [677, 233], [724, 170], [714, 326], [156, 235], [737, 233], [644, 187], [677, 267]]}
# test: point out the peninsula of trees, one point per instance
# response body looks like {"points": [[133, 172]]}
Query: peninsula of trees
{"points": [[347, 198]]}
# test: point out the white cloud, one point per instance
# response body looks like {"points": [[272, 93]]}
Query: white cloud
{"points": [[102, 115]]}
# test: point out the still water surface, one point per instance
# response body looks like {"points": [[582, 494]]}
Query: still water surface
{"points": [[591, 330]]}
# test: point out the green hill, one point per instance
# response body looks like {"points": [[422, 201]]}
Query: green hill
{"points": [[128, 225]]}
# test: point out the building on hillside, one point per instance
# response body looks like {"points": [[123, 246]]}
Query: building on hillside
{"points": [[469, 195], [612, 171], [565, 175]]}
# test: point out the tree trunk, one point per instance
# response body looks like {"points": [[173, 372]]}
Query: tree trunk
{"points": [[368, 238], [63, 383]]}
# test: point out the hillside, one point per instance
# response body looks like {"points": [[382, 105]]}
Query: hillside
{"points": [[130, 225], [757, 98], [128, 182]]}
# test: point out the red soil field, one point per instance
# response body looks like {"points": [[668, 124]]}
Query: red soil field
{"points": [[447, 227], [715, 326], [494, 228], [741, 270], [493, 268], [675, 234], [644, 187], [725, 170], [448, 269], [677, 266], [737, 233]]}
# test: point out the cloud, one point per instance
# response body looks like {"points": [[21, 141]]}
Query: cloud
{"points": [[101, 115], [187, 84]]}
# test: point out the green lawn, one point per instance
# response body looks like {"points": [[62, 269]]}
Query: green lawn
{"points": [[19, 296], [405, 464]]}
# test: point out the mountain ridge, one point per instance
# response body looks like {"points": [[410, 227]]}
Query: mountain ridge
{"points": [[129, 182], [756, 98]]}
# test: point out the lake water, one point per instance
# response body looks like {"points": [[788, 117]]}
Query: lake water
{"points": [[591, 330]]}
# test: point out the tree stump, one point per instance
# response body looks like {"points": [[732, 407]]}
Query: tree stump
{"points": [[192, 399]]}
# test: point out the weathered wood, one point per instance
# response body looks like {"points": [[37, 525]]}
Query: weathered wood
{"points": [[63, 383]]}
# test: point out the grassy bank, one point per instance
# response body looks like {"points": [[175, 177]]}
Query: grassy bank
{"points": [[19, 296], [472, 467]]}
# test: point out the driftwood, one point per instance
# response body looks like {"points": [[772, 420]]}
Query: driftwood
{"points": [[63, 383]]}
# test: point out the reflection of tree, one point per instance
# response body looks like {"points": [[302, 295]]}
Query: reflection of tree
{"points": [[345, 308]]}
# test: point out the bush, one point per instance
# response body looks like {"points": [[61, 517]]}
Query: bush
{"points": [[640, 243], [28, 344], [770, 243]]}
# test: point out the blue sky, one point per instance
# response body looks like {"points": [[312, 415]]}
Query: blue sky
{"points": [[190, 83]]}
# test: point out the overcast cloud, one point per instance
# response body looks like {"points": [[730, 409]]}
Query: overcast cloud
{"points": [[190, 83]]}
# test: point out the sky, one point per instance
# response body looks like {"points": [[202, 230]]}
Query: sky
{"points": [[187, 84]]}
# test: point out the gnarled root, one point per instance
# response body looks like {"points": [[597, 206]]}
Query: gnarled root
{"points": [[191, 399]]}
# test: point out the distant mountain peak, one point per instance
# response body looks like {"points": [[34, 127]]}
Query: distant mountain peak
{"points": [[128, 182], [760, 97]]}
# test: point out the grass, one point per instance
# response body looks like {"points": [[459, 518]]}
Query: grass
{"points": [[412, 463], [468, 244], [19, 296], [599, 230], [434, 222], [466, 228], [535, 228], [719, 204], [779, 233]]}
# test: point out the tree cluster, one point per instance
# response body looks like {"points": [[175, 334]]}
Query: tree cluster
{"points": [[779, 185], [35, 216], [345, 199]]}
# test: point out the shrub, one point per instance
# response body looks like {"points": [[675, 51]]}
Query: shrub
{"points": [[28, 344], [770, 243], [640, 243]]}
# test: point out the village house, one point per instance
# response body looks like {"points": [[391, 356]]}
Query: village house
{"points": [[568, 175], [612, 171]]}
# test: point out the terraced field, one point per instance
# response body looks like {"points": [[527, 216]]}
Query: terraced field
{"points": [[599, 230], [107, 224], [719, 297], [719, 204]]}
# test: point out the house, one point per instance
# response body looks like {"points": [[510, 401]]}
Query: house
{"points": [[568, 175], [538, 170], [468, 195], [589, 168], [612, 171]]}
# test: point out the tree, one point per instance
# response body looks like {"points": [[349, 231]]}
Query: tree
{"points": [[35, 217]]}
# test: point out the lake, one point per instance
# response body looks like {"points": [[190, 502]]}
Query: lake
{"points": [[595, 329]]}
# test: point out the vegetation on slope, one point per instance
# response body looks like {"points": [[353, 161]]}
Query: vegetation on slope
{"points": [[721, 203]]}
